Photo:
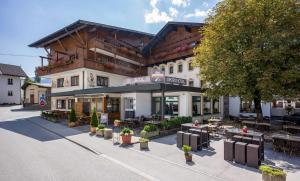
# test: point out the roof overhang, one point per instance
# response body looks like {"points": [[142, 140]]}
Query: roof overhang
{"points": [[131, 88]]}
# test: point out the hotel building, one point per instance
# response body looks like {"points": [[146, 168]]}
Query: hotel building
{"points": [[126, 73]]}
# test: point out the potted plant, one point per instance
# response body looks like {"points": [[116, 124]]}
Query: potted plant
{"points": [[126, 134], [94, 121], [272, 174], [144, 143], [149, 131], [100, 130], [72, 118], [188, 156]]}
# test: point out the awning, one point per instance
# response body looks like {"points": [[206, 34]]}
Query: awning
{"points": [[158, 87]]}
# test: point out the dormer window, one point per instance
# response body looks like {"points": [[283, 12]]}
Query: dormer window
{"points": [[171, 69], [191, 66], [180, 68]]}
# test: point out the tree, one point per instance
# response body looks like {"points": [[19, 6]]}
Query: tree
{"points": [[250, 48], [94, 121], [72, 117], [37, 78]]}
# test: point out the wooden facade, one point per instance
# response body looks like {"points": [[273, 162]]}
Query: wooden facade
{"points": [[115, 50]]}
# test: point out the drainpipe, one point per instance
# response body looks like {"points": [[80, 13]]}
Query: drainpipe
{"points": [[83, 79]]}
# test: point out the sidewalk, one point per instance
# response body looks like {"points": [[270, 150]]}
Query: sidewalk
{"points": [[164, 161]]}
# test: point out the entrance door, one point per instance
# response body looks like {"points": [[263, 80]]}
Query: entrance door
{"points": [[31, 98]]}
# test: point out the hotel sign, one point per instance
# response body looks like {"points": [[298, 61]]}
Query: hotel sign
{"points": [[174, 80]]}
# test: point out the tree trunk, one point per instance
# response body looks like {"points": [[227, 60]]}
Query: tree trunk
{"points": [[257, 105]]}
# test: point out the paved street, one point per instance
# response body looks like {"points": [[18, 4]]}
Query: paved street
{"points": [[29, 152], [36, 149]]}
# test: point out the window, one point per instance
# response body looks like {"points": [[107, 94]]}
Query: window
{"points": [[162, 68], [61, 104], [191, 66], [113, 105], [179, 67], [277, 104], [191, 83], [102, 81], [196, 105], [10, 93], [129, 104], [170, 107], [171, 69], [75, 81], [99, 105], [71, 103], [60, 82], [247, 106], [216, 106], [206, 106], [10, 81]]}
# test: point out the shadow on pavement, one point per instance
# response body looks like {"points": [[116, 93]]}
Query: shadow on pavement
{"points": [[42, 131]]}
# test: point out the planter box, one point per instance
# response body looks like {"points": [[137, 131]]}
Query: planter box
{"points": [[93, 129], [268, 177], [149, 134], [144, 146], [100, 132], [126, 139], [169, 132]]}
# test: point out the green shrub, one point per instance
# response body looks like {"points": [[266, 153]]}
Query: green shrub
{"points": [[165, 124], [94, 121], [272, 171], [144, 140], [126, 132], [72, 117], [100, 126], [150, 128], [186, 149]]}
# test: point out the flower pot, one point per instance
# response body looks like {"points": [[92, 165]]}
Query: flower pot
{"points": [[188, 157], [71, 124], [126, 139], [269, 177], [100, 132], [144, 145], [93, 129]]}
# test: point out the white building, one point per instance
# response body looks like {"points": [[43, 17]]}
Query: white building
{"points": [[11, 79]]}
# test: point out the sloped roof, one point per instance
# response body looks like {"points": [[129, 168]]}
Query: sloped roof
{"points": [[78, 25], [26, 84], [170, 26], [13, 70]]}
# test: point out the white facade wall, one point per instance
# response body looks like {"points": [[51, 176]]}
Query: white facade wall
{"points": [[15, 88], [234, 107], [185, 74], [86, 74], [142, 103]]}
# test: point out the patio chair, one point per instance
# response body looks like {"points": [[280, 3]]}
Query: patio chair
{"points": [[229, 150], [247, 139], [237, 138], [194, 142], [179, 138], [240, 152], [186, 138], [253, 155]]}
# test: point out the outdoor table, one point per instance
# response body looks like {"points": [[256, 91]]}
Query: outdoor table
{"points": [[214, 120], [288, 143], [191, 125]]}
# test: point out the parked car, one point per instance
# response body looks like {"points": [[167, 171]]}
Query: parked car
{"points": [[294, 118]]}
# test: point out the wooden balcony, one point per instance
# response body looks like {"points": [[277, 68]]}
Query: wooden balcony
{"points": [[59, 66]]}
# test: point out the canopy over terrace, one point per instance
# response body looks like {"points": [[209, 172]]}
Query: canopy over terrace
{"points": [[149, 87]]}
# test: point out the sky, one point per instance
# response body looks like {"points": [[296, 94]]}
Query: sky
{"points": [[25, 21]]}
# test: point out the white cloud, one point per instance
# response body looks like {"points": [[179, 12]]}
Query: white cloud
{"points": [[205, 4], [173, 12], [198, 13], [155, 16], [182, 3]]}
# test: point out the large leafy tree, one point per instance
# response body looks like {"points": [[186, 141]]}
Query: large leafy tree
{"points": [[251, 48]]}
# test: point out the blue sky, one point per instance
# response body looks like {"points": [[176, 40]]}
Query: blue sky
{"points": [[23, 22]]}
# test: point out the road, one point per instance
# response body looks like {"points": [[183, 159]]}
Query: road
{"points": [[29, 152]]}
